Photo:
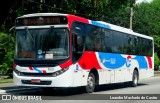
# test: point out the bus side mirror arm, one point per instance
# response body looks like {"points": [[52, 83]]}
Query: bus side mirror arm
{"points": [[9, 37]]}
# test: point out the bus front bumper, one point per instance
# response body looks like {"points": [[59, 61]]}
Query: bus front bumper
{"points": [[63, 80]]}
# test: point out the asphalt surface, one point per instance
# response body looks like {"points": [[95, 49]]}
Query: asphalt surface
{"points": [[149, 86]]}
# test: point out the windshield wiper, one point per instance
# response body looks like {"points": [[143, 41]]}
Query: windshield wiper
{"points": [[30, 36], [44, 41]]}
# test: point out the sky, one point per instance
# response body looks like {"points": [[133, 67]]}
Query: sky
{"points": [[139, 1]]}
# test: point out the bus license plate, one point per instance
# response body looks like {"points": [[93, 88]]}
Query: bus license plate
{"points": [[35, 80]]}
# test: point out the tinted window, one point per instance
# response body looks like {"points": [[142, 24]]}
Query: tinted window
{"points": [[93, 38], [117, 42], [111, 41], [107, 43], [78, 28]]}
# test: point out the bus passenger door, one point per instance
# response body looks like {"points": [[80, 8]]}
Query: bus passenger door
{"points": [[77, 75]]}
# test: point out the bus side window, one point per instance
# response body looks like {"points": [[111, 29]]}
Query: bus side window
{"points": [[80, 44], [128, 45], [107, 41], [78, 28], [77, 40], [117, 42], [149, 44], [88, 43]]}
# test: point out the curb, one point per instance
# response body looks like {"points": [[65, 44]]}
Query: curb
{"points": [[157, 72]]}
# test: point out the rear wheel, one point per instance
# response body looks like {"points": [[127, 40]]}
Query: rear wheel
{"points": [[134, 82], [90, 83]]}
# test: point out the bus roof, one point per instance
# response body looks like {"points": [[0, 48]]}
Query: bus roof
{"points": [[97, 23], [42, 14], [124, 30]]}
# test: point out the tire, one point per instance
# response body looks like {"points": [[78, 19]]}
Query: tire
{"points": [[90, 87], [134, 81]]}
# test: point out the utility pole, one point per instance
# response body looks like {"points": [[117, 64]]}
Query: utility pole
{"points": [[131, 13], [131, 17]]}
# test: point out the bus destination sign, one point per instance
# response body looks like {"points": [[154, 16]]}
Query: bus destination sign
{"points": [[33, 21]]}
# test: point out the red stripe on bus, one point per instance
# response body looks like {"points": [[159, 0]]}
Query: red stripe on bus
{"points": [[30, 68], [44, 71], [14, 65], [89, 61], [149, 61], [66, 64], [72, 18]]}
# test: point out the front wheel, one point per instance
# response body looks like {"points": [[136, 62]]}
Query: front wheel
{"points": [[90, 83]]}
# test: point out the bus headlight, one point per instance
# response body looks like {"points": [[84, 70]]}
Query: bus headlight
{"points": [[59, 72], [17, 72]]}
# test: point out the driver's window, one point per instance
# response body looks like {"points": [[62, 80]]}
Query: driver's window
{"points": [[78, 39], [80, 44], [78, 34], [78, 28]]}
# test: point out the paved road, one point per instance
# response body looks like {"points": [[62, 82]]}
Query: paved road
{"points": [[149, 86], [146, 86]]}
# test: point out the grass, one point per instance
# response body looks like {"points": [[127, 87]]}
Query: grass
{"points": [[6, 80]]}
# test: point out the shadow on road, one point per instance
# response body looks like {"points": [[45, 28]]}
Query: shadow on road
{"points": [[108, 87], [59, 92]]}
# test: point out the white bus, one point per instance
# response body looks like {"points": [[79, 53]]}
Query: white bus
{"points": [[64, 50]]}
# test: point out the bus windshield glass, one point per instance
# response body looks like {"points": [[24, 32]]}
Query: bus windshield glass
{"points": [[42, 44]]}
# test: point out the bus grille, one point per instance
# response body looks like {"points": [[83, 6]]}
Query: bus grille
{"points": [[37, 74], [41, 83]]}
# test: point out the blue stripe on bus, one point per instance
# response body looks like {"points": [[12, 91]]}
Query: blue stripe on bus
{"points": [[100, 24], [112, 61], [39, 71], [142, 62], [116, 61]]}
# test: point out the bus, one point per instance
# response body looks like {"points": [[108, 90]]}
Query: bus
{"points": [[64, 50]]}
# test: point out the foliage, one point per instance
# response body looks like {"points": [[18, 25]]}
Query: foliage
{"points": [[93, 9], [6, 54], [157, 44], [156, 61], [145, 19], [3, 48]]}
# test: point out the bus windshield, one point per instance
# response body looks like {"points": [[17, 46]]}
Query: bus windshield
{"points": [[42, 44]]}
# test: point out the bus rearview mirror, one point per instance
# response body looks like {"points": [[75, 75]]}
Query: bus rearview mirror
{"points": [[10, 33]]}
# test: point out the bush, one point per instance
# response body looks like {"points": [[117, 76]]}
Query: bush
{"points": [[6, 54], [156, 61]]}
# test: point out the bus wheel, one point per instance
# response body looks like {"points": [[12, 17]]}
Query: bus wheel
{"points": [[134, 82], [90, 83]]}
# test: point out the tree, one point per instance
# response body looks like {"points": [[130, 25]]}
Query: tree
{"points": [[146, 18], [156, 61], [146, 21], [6, 54], [92, 9]]}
